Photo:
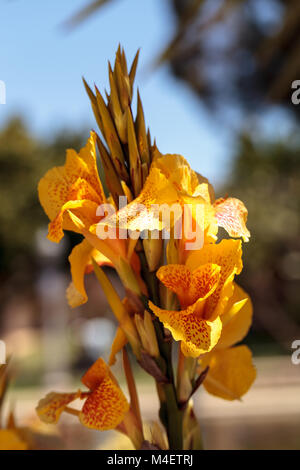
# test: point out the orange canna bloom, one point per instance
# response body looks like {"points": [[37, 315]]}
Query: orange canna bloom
{"points": [[203, 287], [70, 196], [170, 181], [105, 404], [73, 187], [228, 255], [229, 213]]}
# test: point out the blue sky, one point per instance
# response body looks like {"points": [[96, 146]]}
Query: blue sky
{"points": [[42, 66]]}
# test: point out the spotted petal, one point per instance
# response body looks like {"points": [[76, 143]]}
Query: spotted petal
{"points": [[51, 407], [190, 285], [105, 407], [228, 255], [75, 186], [197, 335], [232, 216]]}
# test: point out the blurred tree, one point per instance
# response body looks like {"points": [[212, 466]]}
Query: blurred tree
{"points": [[24, 159], [266, 176], [239, 52]]}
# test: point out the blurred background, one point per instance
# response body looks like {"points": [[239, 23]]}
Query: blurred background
{"points": [[216, 83]]}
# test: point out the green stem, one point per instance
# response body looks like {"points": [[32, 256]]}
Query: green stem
{"points": [[150, 279], [170, 412]]}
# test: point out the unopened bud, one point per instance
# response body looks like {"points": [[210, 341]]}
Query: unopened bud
{"points": [[147, 333]]}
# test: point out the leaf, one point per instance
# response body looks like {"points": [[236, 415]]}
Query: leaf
{"points": [[141, 132], [133, 69], [111, 176], [200, 379], [84, 13], [134, 400]]}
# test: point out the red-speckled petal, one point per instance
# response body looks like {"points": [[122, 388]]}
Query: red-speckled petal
{"points": [[95, 374], [51, 407], [232, 216], [105, 408], [198, 335], [228, 255]]}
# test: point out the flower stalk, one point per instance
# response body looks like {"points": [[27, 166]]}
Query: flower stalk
{"points": [[179, 288]]}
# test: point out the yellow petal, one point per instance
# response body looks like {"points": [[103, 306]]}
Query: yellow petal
{"points": [[177, 171], [51, 407], [118, 344], [105, 407], [95, 374], [205, 189], [84, 209], [228, 255], [190, 286], [191, 189], [236, 319], [142, 214], [232, 216], [81, 262], [175, 277], [198, 335], [204, 281], [10, 440], [231, 373], [76, 185]]}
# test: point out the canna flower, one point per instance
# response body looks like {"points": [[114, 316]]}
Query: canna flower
{"points": [[203, 287], [170, 181], [229, 213], [231, 372], [105, 405], [73, 187], [70, 196]]}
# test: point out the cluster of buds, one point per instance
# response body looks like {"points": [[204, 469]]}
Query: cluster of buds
{"points": [[183, 310]]}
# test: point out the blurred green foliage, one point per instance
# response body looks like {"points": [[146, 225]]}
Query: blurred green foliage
{"points": [[24, 159], [266, 176]]}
